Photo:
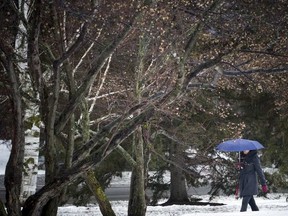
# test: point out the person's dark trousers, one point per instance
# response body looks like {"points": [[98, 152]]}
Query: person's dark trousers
{"points": [[251, 201]]}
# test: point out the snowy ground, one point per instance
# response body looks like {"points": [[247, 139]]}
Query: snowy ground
{"points": [[274, 205], [4, 155]]}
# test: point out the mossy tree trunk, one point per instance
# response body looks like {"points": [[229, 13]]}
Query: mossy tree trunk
{"points": [[89, 176], [95, 187], [137, 203], [137, 199]]}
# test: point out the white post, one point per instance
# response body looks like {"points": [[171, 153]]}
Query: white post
{"points": [[29, 181]]}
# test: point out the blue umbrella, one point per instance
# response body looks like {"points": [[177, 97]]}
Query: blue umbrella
{"points": [[237, 145]]}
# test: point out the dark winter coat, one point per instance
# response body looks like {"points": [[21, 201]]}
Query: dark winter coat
{"points": [[248, 181]]}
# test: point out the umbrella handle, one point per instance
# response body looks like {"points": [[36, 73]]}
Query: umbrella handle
{"points": [[239, 157]]}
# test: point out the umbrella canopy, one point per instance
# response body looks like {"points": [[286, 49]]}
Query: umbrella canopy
{"points": [[237, 145]]}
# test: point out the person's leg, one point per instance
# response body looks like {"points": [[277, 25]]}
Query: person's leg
{"points": [[245, 201], [253, 205]]}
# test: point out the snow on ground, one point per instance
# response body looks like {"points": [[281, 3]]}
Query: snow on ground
{"points": [[4, 155], [274, 205]]}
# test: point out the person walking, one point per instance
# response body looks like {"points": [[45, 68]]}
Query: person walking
{"points": [[250, 168]]}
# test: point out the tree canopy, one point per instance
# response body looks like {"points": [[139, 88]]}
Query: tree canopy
{"points": [[131, 62]]}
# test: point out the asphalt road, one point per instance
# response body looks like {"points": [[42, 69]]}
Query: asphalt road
{"points": [[119, 192], [116, 192], [122, 192]]}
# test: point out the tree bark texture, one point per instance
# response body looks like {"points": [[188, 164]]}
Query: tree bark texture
{"points": [[51, 208], [137, 201], [178, 190], [14, 167], [13, 173], [95, 187], [89, 176]]}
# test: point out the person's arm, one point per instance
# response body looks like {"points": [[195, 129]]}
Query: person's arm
{"points": [[259, 171], [260, 174]]}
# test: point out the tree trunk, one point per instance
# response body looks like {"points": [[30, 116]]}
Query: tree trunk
{"points": [[137, 200], [49, 100], [90, 179], [147, 158], [137, 203], [68, 155], [95, 187], [178, 190], [13, 172], [51, 207], [34, 205], [51, 159]]}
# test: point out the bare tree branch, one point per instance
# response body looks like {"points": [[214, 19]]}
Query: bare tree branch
{"points": [[65, 177], [89, 79], [73, 48], [283, 69], [199, 68]]}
